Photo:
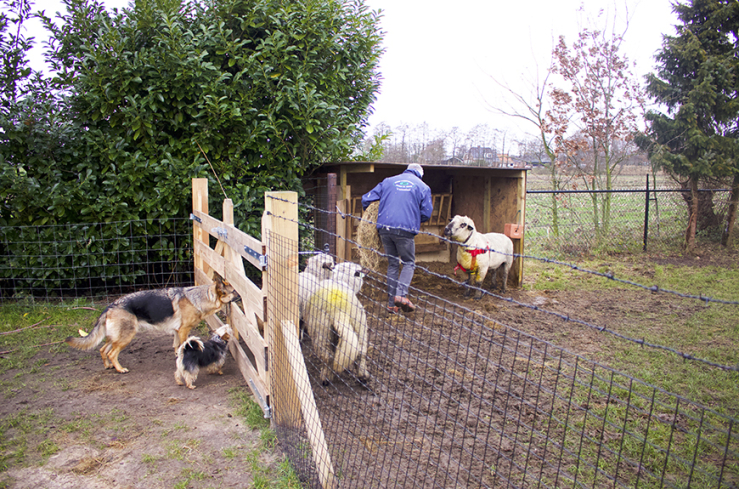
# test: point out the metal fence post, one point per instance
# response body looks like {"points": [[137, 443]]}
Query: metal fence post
{"points": [[646, 215]]}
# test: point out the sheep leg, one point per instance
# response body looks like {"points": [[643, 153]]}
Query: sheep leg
{"points": [[320, 335], [506, 269], [480, 281], [494, 278], [468, 286], [362, 372]]}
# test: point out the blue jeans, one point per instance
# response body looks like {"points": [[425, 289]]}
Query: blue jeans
{"points": [[400, 249]]}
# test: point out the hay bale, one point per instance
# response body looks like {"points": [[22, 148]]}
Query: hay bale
{"points": [[369, 239]]}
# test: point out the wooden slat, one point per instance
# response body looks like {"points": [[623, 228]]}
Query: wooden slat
{"points": [[251, 337], [251, 295], [214, 322], [199, 204], [321, 455], [341, 207], [235, 238], [201, 278], [348, 224], [281, 221], [248, 372], [246, 288], [214, 260]]}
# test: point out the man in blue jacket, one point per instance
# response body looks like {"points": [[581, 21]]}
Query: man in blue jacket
{"points": [[405, 202]]}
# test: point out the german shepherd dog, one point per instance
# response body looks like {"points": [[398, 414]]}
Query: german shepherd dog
{"points": [[176, 310]]}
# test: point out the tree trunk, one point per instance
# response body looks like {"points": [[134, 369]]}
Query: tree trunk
{"points": [[727, 239], [707, 217], [693, 216]]}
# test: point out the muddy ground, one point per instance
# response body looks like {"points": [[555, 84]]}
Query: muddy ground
{"points": [[87, 427]]}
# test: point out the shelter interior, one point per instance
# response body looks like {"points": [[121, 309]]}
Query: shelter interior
{"points": [[494, 198]]}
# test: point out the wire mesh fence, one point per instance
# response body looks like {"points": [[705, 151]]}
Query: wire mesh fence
{"points": [[454, 398], [71, 261], [619, 220], [450, 398]]}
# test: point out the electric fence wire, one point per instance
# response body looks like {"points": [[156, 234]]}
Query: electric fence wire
{"points": [[566, 317]]}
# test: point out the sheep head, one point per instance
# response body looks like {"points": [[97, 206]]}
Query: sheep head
{"points": [[320, 265], [351, 274], [460, 228]]}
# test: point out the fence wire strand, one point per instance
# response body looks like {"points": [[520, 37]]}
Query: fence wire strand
{"points": [[567, 317], [455, 398]]}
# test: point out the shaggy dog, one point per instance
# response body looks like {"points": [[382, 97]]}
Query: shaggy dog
{"points": [[194, 354], [477, 253], [175, 310], [337, 323]]}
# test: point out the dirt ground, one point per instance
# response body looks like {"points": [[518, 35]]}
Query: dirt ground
{"points": [[136, 430], [428, 417], [140, 430]]}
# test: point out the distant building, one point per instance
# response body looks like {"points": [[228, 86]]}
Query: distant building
{"points": [[481, 156], [489, 157]]}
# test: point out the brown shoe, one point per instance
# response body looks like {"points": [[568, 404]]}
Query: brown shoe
{"points": [[404, 304]]}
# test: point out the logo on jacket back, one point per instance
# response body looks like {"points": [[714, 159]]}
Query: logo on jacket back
{"points": [[404, 185]]}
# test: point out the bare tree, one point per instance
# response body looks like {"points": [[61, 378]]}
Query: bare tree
{"points": [[548, 110], [605, 100]]}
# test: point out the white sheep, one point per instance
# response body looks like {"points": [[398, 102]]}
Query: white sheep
{"points": [[337, 323], [477, 253], [350, 273], [318, 268]]}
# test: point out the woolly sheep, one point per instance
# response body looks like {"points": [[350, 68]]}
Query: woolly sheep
{"points": [[334, 316], [350, 273], [476, 253], [318, 268]]}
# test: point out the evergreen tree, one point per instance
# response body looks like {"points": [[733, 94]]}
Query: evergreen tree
{"points": [[697, 82]]}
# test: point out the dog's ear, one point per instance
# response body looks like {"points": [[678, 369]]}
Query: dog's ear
{"points": [[470, 227]]}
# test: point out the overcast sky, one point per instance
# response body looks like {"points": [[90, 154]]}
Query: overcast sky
{"points": [[440, 55]]}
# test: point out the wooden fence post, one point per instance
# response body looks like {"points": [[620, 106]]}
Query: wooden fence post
{"points": [[199, 203], [281, 236]]}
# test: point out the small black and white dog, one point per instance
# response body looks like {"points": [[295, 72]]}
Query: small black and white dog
{"points": [[194, 354]]}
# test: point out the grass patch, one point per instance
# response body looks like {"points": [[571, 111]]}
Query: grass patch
{"points": [[30, 328], [24, 433], [190, 475], [702, 329], [263, 478]]}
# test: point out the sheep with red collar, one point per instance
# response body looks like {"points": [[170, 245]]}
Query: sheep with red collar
{"points": [[477, 253]]}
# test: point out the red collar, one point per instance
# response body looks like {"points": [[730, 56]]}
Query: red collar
{"points": [[474, 253]]}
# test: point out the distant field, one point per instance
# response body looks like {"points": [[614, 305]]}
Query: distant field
{"points": [[579, 232], [629, 177]]}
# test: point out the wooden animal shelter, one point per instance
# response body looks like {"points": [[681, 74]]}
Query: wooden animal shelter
{"points": [[494, 198]]}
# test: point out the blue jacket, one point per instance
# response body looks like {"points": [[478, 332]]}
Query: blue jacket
{"points": [[405, 202]]}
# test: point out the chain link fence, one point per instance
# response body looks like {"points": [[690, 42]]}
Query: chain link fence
{"points": [[572, 222]]}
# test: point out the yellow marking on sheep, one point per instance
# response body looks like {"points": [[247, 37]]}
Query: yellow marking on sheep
{"points": [[467, 261], [335, 298]]}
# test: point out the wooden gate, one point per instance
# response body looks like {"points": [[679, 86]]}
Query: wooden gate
{"points": [[265, 344]]}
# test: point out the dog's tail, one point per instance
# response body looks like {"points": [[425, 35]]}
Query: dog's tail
{"points": [[192, 343], [91, 340]]}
